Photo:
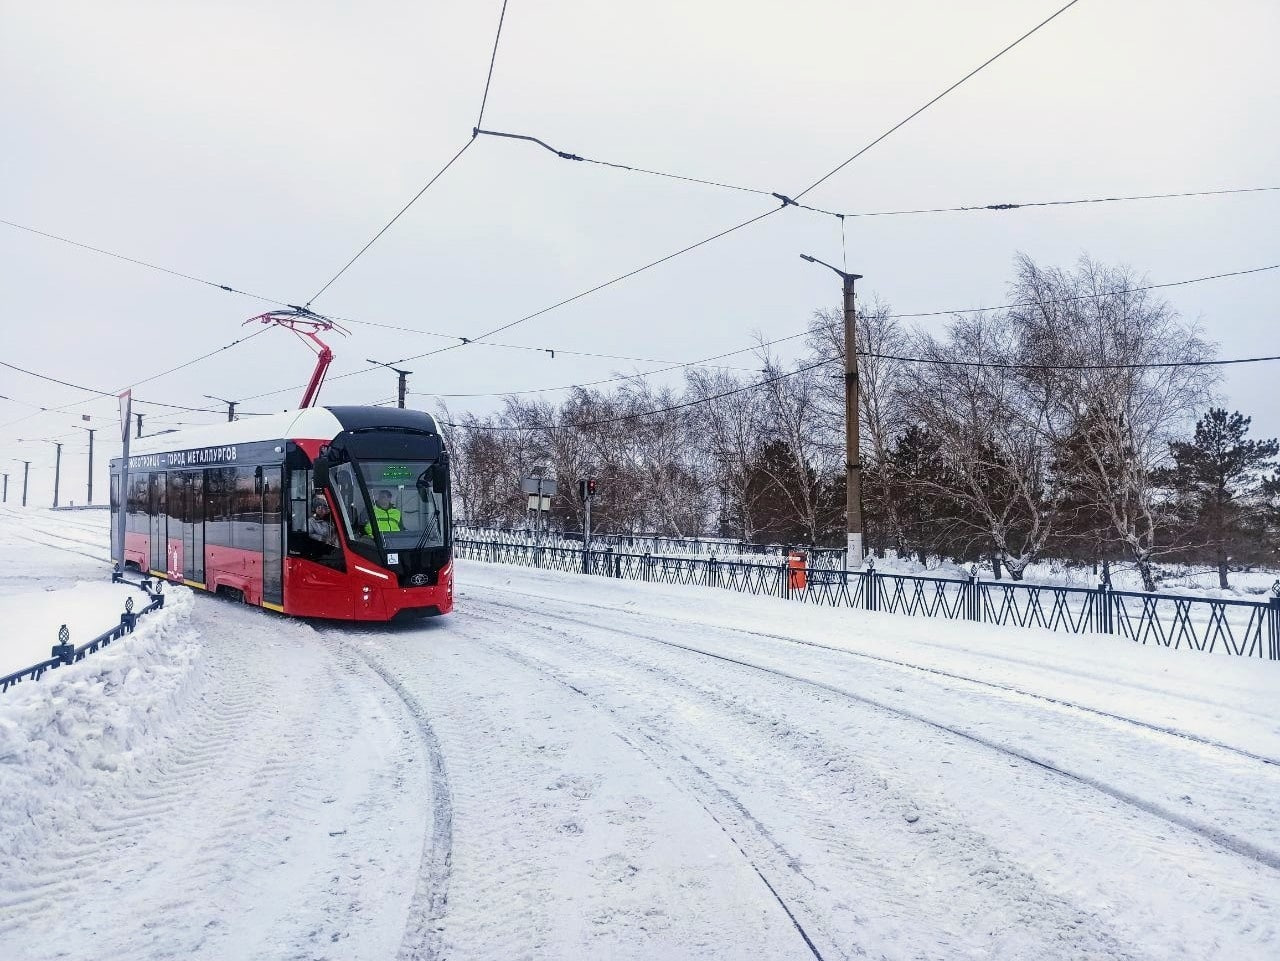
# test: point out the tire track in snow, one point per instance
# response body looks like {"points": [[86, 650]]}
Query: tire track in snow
{"points": [[881, 894], [422, 938], [1230, 842], [548, 672]]}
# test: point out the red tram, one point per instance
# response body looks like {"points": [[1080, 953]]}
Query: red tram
{"points": [[333, 512]]}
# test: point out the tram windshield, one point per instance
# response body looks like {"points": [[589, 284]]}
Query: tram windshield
{"points": [[403, 502]]}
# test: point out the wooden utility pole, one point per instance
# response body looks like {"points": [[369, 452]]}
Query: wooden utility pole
{"points": [[401, 374], [853, 463]]}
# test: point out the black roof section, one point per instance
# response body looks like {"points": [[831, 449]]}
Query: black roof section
{"points": [[363, 418]]}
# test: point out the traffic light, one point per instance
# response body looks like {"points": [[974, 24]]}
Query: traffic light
{"points": [[587, 488]]}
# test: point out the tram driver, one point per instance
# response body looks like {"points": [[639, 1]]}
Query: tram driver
{"points": [[385, 514]]}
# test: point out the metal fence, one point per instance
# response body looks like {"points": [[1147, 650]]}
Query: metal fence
{"points": [[825, 557], [1235, 627], [64, 652]]}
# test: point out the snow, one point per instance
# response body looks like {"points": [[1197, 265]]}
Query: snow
{"points": [[581, 768], [61, 578]]}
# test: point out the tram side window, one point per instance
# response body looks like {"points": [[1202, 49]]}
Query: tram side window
{"points": [[219, 482], [303, 541], [246, 520], [177, 501], [137, 504], [299, 500]]}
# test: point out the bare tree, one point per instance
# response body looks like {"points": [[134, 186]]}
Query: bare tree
{"points": [[727, 430], [1094, 338], [997, 468]]}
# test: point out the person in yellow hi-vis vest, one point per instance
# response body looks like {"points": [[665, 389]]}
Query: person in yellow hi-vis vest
{"points": [[385, 515]]}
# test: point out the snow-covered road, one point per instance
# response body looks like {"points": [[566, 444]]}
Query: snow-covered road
{"points": [[581, 768]]}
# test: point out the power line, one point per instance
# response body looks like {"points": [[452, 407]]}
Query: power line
{"points": [[972, 73], [492, 60], [1006, 206], [103, 394], [769, 343], [994, 365], [765, 382], [440, 173], [565, 155], [999, 207], [784, 199], [471, 340], [1109, 293], [387, 226], [107, 394], [140, 263]]}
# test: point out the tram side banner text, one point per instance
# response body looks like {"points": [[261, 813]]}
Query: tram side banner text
{"points": [[199, 457]]}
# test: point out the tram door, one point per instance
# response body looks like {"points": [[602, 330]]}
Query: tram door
{"points": [[272, 535], [159, 529], [191, 511]]}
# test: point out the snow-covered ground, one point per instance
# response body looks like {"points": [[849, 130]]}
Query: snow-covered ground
{"points": [[578, 768], [52, 576]]}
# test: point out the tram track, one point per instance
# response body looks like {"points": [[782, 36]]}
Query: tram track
{"points": [[1230, 842], [858, 815], [908, 666], [705, 798]]}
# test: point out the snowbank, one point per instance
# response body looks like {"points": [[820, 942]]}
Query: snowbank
{"points": [[84, 727], [32, 618]]}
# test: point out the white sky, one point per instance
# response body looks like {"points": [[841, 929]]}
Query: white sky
{"points": [[260, 145]]}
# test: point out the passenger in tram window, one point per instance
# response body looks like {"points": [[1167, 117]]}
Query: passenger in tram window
{"points": [[320, 524], [385, 514]]}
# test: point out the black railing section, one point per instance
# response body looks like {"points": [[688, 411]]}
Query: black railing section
{"points": [[825, 557], [1242, 628], [64, 652]]}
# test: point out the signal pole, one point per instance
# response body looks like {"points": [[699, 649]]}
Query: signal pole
{"points": [[401, 374], [853, 464], [231, 409]]}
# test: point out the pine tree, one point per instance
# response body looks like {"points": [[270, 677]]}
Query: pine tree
{"points": [[1220, 480]]}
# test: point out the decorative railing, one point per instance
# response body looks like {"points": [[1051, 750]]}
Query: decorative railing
{"points": [[64, 652], [1242, 628]]}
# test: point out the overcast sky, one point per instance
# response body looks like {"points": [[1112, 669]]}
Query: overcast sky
{"points": [[261, 144]]}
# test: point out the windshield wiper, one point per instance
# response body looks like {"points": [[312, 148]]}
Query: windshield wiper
{"points": [[433, 526]]}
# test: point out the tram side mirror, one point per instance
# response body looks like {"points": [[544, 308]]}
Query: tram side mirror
{"points": [[321, 473], [432, 480]]}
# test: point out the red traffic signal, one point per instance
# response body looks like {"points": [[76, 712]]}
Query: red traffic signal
{"points": [[587, 488]]}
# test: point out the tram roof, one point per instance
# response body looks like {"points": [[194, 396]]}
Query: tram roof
{"points": [[311, 423]]}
